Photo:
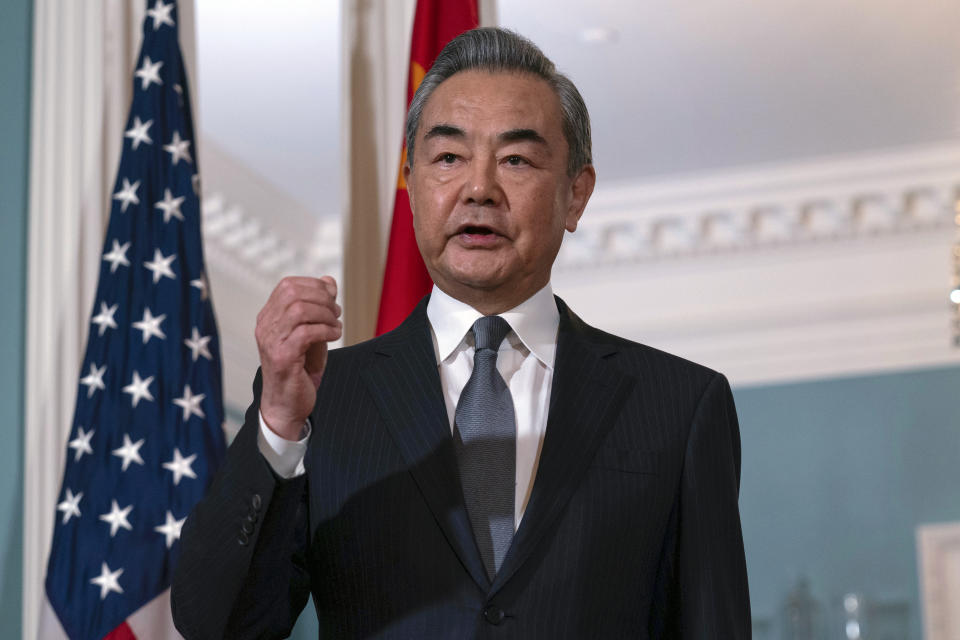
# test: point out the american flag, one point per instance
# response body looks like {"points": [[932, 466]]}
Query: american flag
{"points": [[146, 434]]}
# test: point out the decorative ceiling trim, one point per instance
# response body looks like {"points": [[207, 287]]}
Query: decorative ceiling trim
{"points": [[837, 199], [248, 246]]}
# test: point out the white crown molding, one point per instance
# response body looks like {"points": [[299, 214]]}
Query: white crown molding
{"points": [[839, 198], [782, 273]]}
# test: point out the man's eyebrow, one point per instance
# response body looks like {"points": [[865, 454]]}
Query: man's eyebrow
{"points": [[445, 130], [518, 135]]}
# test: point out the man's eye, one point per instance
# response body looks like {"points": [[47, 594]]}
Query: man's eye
{"points": [[448, 158], [515, 161]]}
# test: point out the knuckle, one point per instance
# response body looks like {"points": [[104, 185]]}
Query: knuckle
{"points": [[316, 334], [279, 356], [299, 311], [296, 335], [331, 287], [312, 334], [286, 287]]}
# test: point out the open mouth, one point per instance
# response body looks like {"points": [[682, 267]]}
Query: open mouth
{"points": [[477, 231], [479, 236]]}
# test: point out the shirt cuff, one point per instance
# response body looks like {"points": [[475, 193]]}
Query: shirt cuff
{"points": [[284, 456]]}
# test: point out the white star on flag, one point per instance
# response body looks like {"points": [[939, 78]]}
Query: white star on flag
{"points": [[94, 380], [104, 319], [160, 266], [178, 149], [70, 506], [117, 255], [198, 345], [82, 443], [138, 389], [201, 284], [149, 72], [150, 326], [107, 581], [130, 452], [161, 14], [190, 403], [117, 517], [170, 206], [180, 466], [138, 132], [128, 194], [171, 529]]}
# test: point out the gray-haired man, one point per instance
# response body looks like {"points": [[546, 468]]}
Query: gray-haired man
{"points": [[494, 467]]}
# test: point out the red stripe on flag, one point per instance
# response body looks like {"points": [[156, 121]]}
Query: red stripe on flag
{"points": [[123, 632], [405, 278], [436, 23]]}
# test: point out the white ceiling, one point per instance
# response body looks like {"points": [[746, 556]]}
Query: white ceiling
{"points": [[268, 91], [673, 87], [688, 86]]}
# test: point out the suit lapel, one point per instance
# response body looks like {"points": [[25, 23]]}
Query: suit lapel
{"points": [[586, 396], [404, 382]]}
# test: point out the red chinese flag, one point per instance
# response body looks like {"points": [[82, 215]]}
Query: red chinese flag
{"points": [[405, 278]]}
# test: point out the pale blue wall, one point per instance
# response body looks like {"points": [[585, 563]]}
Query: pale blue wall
{"points": [[15, 39], [837, 474]]}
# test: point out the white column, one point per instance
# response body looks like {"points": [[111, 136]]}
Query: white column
{"points": [[374, 55]]}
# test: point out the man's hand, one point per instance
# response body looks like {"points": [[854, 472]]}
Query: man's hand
{"points": [[293, 329]]}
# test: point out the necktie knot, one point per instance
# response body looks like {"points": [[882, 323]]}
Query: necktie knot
{"points": [[489, 332]]}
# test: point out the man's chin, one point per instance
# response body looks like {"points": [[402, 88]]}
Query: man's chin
{"points": [[478, 280]]}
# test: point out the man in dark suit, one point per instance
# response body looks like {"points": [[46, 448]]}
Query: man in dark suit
{"points": [[494, 467]]}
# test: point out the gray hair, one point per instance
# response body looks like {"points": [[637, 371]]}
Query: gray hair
{"points": [[495, 49]]}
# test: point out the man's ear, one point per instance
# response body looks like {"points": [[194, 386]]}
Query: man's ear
{"points": [[581, 188]]}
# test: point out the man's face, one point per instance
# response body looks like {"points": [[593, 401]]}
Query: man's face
{"points": [[489, 187]]}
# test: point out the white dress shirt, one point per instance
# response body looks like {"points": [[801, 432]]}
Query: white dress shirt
{"points": [[525, 361]]}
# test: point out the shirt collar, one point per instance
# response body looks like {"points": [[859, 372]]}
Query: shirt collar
{"points": [[534, 321]]}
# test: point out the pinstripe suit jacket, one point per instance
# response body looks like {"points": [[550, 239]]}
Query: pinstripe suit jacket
{"points": [[632, 529]]}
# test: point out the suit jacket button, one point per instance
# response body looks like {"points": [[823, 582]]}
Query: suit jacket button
{"points": [[493, 614], [243, 539], [255, 502], [247, 527]]}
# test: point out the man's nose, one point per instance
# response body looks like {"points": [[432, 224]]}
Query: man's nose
{"points": [[482, 186]]}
